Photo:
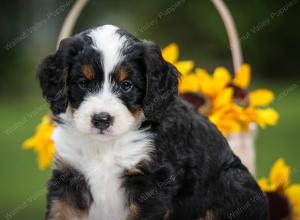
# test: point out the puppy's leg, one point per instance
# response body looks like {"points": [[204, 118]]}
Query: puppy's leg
{"points": [[154, 210], [61, 210], [237, 196], [68, 196], [148, 193]]}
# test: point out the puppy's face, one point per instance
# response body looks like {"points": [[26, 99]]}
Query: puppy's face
{"points": [[107, 81], [106, 85]]}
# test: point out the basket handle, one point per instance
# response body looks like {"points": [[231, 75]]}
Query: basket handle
{"points": [[70, 21], [225, 14], [235, 46]]}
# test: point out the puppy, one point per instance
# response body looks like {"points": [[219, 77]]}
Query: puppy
{"points": [[127, 146]]}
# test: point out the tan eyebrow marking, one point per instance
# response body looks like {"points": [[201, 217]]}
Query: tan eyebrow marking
{"points": [[88, 71], [122, 74]]}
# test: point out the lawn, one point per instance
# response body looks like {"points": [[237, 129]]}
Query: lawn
{"points": [[23, 185]]}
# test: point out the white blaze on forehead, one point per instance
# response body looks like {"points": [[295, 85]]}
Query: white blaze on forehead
{"points": [[108, 41]]}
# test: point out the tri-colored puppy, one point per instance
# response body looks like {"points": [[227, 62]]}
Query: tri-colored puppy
{"points": [[127, 146]]}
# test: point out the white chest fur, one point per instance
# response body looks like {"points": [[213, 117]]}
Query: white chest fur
{"points": [[102, 163]]}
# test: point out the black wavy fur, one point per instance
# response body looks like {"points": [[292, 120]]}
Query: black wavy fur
{"points": [[194, 172]]}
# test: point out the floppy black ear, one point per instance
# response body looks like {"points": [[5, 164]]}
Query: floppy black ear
{"points": [[52, 74], [162, 83]]}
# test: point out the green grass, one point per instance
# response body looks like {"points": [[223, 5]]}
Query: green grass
{"points": [[283, 139], [23, 185]]}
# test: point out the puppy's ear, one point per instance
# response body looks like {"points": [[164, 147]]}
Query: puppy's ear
{"points": [[52, 74], [162, 82]]}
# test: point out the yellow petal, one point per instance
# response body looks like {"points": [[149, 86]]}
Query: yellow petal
{"points": [[189, 83], [221, 78], [267, 117], [242, 77], [293, 194], [41, 143], [228, 126], [225, 121], [223, 98], [45, 157], [170, 53], [184, 67], [29, 143], [265, 185], [261, 97], [280, 174], [207, 86]]}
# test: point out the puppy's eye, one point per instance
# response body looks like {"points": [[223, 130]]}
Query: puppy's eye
{"points": [[126, 85], [82, 84]]}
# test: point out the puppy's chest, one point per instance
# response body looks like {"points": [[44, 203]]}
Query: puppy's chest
{"points": [[103, 165], [104, 178], [104, 175]]}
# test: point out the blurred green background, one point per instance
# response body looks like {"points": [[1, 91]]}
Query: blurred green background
{"points": [[269, 34]]}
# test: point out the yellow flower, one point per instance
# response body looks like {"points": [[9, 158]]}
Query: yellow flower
{"points": [[278, 183], [171, 54], [248, 107], [279, 177], [215, 96], [232, 107], [41, 143]]}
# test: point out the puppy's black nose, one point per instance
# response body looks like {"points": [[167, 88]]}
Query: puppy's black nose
{"points": [[102, 120]]}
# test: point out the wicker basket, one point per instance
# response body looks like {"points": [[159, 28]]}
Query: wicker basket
{"points": [[243, 145]]}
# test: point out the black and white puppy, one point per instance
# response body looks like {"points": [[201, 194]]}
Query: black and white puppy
{"points": [[127, 146]]}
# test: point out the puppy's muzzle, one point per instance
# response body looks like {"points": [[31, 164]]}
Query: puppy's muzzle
{"points": [[102, 120]]}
